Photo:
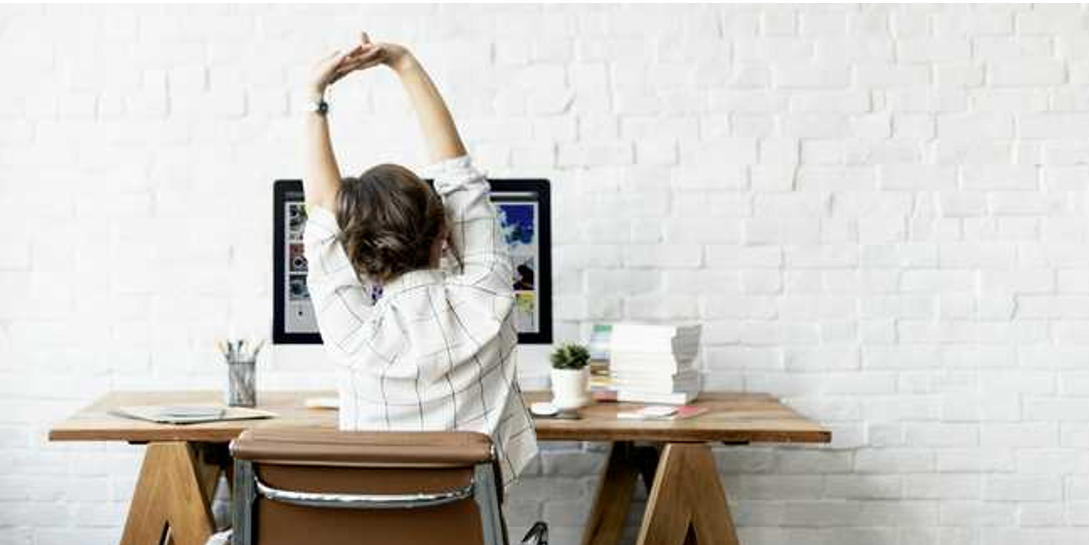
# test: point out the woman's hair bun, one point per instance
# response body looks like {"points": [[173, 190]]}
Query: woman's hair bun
{"points": [[389, 222]]}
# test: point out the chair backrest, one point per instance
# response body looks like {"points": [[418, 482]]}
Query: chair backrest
{"points": [[325, 487]]}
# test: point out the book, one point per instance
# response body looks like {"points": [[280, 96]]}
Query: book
{"points": [[673, 398], [691, 384], [660, 367], [621, 358], [603, 395], [628, 340], [661, 380], [638, 389], [626, 351], [655, 374], [600, 338], [600, 382], [605, 339]]}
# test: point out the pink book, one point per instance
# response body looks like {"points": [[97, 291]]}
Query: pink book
{"points": [[658, 412]]}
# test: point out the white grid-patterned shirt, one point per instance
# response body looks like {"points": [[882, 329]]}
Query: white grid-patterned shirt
{"points": [[436, 351]]}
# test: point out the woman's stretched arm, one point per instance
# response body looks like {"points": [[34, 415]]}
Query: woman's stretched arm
{"points": [[321, 181], [342, 300], [473, 226], [436, 123]]}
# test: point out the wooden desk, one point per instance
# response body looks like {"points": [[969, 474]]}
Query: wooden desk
{"points": [[182, 464]]}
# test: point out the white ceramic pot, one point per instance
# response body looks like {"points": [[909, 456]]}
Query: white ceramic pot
{"points": [[570, 388]]}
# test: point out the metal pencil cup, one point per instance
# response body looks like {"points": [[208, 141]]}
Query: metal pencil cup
{"points": [[242, 383]]}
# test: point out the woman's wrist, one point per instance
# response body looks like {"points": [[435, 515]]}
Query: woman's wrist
{"points": [[404, 63], [316, 93]]}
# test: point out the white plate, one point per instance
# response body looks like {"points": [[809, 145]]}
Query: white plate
{"points": [[543, 408]]}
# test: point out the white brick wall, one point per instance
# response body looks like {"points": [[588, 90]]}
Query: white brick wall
{"points": [[880, 213]]}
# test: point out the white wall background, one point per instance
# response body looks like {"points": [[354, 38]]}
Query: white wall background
{"points": [[878, 212]]}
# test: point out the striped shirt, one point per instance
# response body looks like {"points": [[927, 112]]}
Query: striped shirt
{"points": [[433, 349]]}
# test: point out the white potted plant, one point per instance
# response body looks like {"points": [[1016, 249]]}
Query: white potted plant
{"points": [[570, 377]]}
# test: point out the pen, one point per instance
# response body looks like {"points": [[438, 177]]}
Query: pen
{"points": [[233, 349], [257, 349]]}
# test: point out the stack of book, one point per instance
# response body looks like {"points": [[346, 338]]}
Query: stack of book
{"points": [[601, 386], [654, 363]]}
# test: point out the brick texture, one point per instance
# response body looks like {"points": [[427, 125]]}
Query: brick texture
{"points": [[880, 212]]}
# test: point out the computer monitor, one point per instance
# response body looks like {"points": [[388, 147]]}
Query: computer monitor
{"points": [[524, 213]]}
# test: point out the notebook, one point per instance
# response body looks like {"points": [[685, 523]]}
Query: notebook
{"points": [[189, 414]]}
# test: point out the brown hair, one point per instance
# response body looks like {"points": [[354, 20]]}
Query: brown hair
{"points": [[389, 220]]}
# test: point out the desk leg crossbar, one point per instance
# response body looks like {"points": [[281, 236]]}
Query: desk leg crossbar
{"points": [[686, 502]]}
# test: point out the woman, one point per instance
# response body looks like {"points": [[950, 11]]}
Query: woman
{"points": [[419, 347]]}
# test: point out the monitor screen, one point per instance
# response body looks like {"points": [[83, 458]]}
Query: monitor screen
{"points": [[524, 214]]}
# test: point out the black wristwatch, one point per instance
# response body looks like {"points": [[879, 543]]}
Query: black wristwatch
{"points": [[321, 107]]}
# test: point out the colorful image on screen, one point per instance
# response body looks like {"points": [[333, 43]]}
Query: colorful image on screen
{"points": [[518, 221]]}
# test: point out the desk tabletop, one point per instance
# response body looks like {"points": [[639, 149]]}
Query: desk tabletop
{"points": [[731, 417]]}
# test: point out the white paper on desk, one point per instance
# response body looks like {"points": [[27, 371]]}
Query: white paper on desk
{"points": [[162, 414], [322, 403]]}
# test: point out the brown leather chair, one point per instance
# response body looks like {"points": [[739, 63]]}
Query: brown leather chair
{"points": [[325, 487]]}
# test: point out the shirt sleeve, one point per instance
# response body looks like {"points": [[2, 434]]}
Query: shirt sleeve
{"points": [[474, 225], [343, 302]]}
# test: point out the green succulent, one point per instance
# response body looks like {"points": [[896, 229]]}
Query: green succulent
{"points": [[570, 356]]}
